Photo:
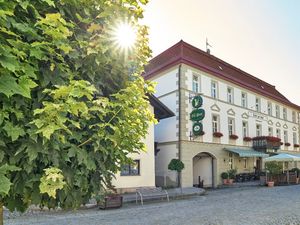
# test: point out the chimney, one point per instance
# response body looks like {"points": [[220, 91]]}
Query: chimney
{"points": [[208, 51]]}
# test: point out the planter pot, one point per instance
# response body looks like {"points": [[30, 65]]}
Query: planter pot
{"points": [[230, 181], [111, 201], [225, 181], [270, 183]]}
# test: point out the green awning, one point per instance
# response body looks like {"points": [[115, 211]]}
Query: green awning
{"points": [[246, 152]]}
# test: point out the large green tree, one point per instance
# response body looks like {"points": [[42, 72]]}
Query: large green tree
{"points": [[72, 104]]}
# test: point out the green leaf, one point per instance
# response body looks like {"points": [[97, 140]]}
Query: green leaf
{"points": [[25, 86], [52, 181], [4, 185], [49, 2], [13, 131], [9, 62]]}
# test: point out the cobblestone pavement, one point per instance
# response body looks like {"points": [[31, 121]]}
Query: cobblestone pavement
{"points": [[255, 205]]}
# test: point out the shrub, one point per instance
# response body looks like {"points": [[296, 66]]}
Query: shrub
{"points": [[231, 173], [224, 175]]}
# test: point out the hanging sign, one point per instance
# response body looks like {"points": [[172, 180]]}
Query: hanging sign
{"points": [[197, 114], [197, 128], [197, 101]]}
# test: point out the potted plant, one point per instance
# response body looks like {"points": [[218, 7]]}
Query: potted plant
{"points": [[287, 144], [247, 139], [217, 134], [109, 199], [224, 176], [273, 169], [233, 136], [296, 145], [231, 175], [177, 165]]}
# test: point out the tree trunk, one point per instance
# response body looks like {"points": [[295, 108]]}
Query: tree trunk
{"points": [[179, 181], [1, 213]]}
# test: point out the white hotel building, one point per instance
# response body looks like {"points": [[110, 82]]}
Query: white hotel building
{"points": [[235, 103]]}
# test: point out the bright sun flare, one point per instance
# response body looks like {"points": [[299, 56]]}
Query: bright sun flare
{"points": [[125, 35]]}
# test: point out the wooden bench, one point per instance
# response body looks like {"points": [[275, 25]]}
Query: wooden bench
{"points": [[150, 193]]}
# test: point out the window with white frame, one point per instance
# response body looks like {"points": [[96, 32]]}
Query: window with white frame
{"points": [[270, 108], [278, 133], [230, 95], [277, 111], [231, 126], [285, 136], [244, 99], [294, 116], [245, 128], [284, 113], [196, 83], [270, 131], [295, 139], [214, 89], [215, 123], [258, 130], [257, 104]]}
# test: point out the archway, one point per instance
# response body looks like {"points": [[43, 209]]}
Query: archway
{"points": [[204, 168]]}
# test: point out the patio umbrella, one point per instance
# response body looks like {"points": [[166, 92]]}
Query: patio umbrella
{"points": [[283, 157]]}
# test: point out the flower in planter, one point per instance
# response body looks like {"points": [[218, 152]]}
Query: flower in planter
{"points": [[247, 139], [233, 136], [217, 134], [281, 143], [287, 144], [202, 133], [268, 138], [296, 145]]}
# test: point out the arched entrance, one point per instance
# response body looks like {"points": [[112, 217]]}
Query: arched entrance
{"points": [[204, 166]]}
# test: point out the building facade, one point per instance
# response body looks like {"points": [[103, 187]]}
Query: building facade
{"points": [[237, 105], [141, 173]]}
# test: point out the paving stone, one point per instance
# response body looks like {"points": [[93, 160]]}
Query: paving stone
{"points": [[247, 206]]}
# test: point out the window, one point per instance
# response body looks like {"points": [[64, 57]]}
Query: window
{"points": [[294, 117], [285, 136], [270, 108], [231, 126], [257, 104], [196, 83], [258, 130], [245, 163], [278, 133], [230, 161], [284, 114], [244, 99], [230, 95], [245, 129], [270, 131], [295, 138], [214, 89], [277, 111], [215, 123], [132, 169]]}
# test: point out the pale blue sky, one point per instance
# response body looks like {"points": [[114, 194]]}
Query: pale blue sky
{"points": [[261, 37]]}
